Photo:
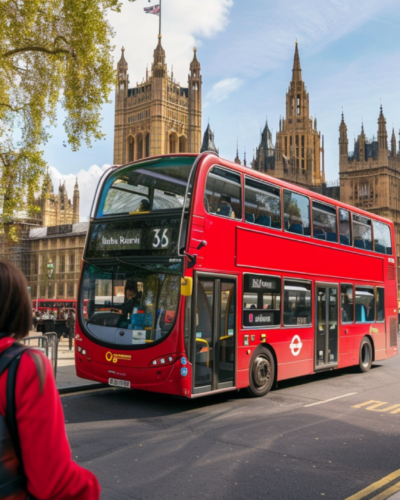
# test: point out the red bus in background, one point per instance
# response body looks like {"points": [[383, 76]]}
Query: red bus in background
{"points": [[53, 305], [201, 275]]}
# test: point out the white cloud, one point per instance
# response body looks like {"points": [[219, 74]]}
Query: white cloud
{"points": [[87, 181], [184, 23], [222, 89], [253, 49]]}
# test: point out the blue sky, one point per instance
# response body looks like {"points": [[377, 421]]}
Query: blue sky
{"points": [[349, 52]]}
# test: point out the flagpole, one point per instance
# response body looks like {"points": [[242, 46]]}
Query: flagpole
{"points": [[159, 29]]}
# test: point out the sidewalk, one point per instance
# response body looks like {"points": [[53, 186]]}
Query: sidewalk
{"points": [[66, 377]]}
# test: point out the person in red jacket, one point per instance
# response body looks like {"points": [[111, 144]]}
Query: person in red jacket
{"points": [[46, 455]]}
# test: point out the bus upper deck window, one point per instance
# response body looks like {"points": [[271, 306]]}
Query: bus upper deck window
{"points": [[344, 227], [324, 222], [223, 193], [297, 213], [262, 204], [382, 239], [362, 232]]}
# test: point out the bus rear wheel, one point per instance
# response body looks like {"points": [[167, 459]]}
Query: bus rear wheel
{"points": [[262, 372], [365, 360]]}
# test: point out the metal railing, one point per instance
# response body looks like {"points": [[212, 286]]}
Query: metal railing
{"points": [[48, 344]]}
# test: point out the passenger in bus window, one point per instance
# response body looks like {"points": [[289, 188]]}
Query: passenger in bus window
{"points": [[225, 208], [144, 206]]}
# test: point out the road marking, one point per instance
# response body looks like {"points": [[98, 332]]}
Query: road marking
{"points": [[378, 485], [377, 406], [332, 399]]}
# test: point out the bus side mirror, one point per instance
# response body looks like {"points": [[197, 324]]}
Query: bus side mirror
{"points": [[186, 286]]}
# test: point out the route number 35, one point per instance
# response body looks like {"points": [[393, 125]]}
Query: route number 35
{"points": [[161, 239]]}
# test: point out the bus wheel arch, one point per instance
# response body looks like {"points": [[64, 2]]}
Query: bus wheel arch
{"points": [[262, 371], [366, 354]]}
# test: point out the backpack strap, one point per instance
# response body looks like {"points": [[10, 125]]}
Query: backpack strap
{"points": [[10, 398]]}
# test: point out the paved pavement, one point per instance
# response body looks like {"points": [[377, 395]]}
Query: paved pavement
{"points": [[66, 377], [329, 436]]}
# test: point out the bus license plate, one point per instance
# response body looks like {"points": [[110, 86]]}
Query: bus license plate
{"points": [[119, 383]]}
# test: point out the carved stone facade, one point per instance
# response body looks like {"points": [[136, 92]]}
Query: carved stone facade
{"points": [[56, 209], [63, 247], [370, 175], [157, 116], [298, 152]]}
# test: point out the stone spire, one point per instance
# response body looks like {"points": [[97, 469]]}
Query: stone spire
{"points": [[361, 144], [343, 141], [296, 72], [237, 159], [122, 67], [159, 66], [208, 141], [75, 217], [382, 133], [194, 104], [393, 152]]}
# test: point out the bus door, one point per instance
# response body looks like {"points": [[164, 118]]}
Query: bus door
{"points": [[326, 326], [213, 333]]}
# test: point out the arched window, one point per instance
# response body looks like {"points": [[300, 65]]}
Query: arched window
{"points": [[182, 144], [70, 290], [147, 145], [139, 147], [131, 148], [173, 143]]}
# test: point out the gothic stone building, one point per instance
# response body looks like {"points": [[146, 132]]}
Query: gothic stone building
{"points": [[53, 234], [370, 175], [158, 116], [298, 152]]}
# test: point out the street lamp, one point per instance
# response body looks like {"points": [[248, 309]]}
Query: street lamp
{"points": [[50, 268]]}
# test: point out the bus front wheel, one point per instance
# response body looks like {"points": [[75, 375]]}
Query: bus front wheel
{"points": [[262, 372], [365, 361]]}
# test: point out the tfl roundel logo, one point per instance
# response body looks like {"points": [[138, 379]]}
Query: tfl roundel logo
{"points": [[184, 371], [296, 345]]}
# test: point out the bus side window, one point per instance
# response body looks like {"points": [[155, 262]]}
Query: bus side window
{"points": [[262, 204], [297, 303], [347, 304], [362, 237], [324, 222], [223, 193], [380, 304], [365, 305], [344, 227], [297, 213], [382, 239], [261, 300]]}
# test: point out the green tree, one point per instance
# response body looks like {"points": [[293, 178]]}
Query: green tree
{"points": [[51, 51]]}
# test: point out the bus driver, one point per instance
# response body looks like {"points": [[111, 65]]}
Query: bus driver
{"points": [[131, 297]]}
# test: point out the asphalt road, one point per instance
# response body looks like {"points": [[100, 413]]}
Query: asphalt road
{"points": [[283, 446]]}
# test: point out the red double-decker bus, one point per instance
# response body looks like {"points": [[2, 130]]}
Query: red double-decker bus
{"points": [[200, 275]]}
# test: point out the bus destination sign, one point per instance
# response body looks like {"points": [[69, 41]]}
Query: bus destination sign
{"points": [[260, 283], [115, 239]]}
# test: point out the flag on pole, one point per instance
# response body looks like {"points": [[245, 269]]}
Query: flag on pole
{"points": [[154, 9]]}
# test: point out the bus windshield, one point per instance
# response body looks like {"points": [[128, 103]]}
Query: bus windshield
{"points": [[130, 304], [148, 187]]}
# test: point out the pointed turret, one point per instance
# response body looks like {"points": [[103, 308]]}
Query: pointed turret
{"points": [[194, 93], [76, 203], [159, 66], [208, 141], [122, 66], [47, 186], [343, 141], [382, 133], [361, 144], [296, 72], [237, 159], [244, 159], [393, 148]]}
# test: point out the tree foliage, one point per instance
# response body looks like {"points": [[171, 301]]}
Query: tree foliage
{"points": [[51, 51]]}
